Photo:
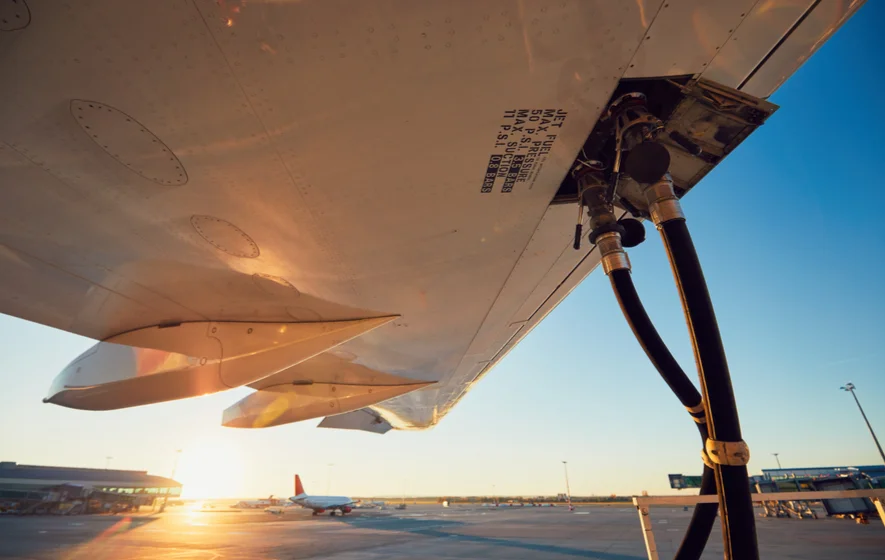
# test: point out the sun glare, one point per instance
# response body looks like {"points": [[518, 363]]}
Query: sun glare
{"points": [[211, 468]]}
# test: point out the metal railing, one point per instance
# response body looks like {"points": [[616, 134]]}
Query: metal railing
{"points": [[642, 503]]}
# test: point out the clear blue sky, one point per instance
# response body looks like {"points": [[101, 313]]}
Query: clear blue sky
{"points": [[794, 253]]}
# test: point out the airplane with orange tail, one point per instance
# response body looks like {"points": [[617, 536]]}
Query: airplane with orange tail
{"points": [[321, 504]]}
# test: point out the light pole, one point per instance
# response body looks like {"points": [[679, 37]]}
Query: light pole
{"points": [[568, 492], [174, 468], [329, 478], [175, 464], [778, 460], [850, 388], [107, 462]]}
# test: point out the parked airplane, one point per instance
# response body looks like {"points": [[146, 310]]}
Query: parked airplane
{"points": [[321, 504]]}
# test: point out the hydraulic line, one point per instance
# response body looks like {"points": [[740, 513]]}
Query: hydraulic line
{"points": [[725, 447], [704, 516]]}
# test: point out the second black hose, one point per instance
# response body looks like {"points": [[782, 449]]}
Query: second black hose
{"points": [[738, 517], [704, 516]]}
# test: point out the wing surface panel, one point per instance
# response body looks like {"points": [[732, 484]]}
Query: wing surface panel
{"points": [[286, 161]]}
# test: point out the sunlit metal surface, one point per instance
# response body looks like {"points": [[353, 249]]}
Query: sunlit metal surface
{"points": [[178, 361], [335, 157], [793, 45], [296, 402]]}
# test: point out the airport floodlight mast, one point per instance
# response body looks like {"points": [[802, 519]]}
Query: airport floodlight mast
{"points": [[174, 468], [776, 459], [107, 462], [638, 152], [849, 387], [568, 492]]}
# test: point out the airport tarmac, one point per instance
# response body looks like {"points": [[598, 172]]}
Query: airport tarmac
{"points": [[431, 531]]}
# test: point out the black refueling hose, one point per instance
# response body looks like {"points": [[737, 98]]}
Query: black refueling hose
{"points": [[725, 453], [702, 519], [647, 161], [650, 340], [704, 516], [738, 518]]}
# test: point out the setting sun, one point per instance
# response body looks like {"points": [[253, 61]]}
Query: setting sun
{"points": [[211, 468]]}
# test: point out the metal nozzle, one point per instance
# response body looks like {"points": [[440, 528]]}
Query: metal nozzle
{"points": [[613, 255], [593, 188], [663, 204]]}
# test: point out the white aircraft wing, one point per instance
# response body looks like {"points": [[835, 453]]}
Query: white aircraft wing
{"points": [[307, 193]]}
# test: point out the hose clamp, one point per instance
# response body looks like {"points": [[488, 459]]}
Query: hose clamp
{"points": [[706, 459], [613, 255], [666, 211], [731, 453], [663, 204], [698, 413]]}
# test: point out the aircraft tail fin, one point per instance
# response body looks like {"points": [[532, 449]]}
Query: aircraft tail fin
{"points": [[299, 489]]}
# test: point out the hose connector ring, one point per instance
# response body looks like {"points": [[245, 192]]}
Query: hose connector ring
{"points": [[612, 250], [663, 204]]}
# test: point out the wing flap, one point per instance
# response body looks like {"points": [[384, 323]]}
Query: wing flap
{"points": [[318, 387], [364, 419], [264, 409], [165, 363]]}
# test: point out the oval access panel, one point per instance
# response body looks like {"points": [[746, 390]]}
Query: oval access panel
{"points": [[129, 142], [14, 15], [225, 236]]}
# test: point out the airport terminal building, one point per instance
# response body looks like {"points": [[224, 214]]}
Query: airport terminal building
{"points": [[35, 483], [866, 471]]}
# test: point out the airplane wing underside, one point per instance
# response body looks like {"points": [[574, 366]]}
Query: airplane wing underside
{"points": [[323, 175]]}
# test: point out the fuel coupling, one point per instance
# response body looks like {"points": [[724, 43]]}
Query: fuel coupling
{"points": [[592, 186], [636, 132], [612, 254], [608, 233], [663, 204]]}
